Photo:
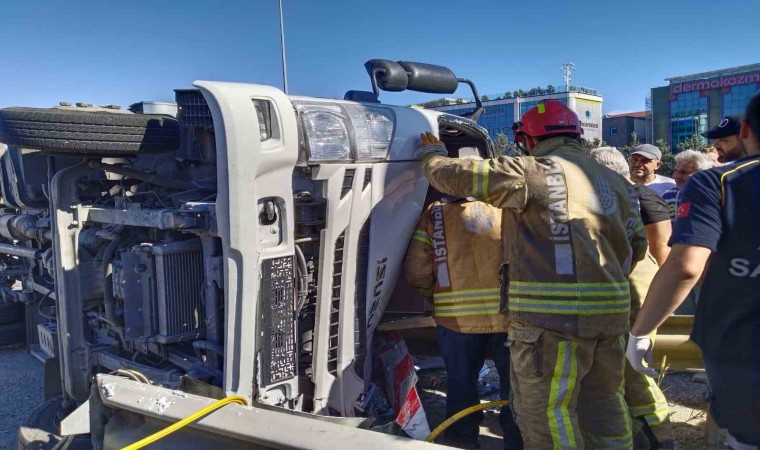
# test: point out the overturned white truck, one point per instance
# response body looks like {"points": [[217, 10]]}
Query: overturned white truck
{"points": [[247, 247]]}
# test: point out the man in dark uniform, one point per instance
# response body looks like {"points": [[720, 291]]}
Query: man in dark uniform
{"points": [[717, 219]]}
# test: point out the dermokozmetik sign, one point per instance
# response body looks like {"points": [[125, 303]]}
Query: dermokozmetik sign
{"points": [[715, 83]]}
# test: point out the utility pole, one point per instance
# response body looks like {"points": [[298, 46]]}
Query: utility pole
{"points": [[567, 70], [650, 121], [282, 46]]}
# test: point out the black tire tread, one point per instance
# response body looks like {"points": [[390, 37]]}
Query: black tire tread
{"points": [[88, 133], [39, 431]]}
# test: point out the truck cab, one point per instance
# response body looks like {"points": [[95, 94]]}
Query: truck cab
{"points": [[249, 246]]}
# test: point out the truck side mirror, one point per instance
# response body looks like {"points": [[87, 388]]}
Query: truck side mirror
{"points": [[429, 78], [386, 75], [421, 77]]}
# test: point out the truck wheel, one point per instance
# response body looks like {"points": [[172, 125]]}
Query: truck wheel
{"points": [[11, 312], [12, 334], [88, 133], [40, 430]]}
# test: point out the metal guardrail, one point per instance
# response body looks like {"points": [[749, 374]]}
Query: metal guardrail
{"points": [[671, 345]]}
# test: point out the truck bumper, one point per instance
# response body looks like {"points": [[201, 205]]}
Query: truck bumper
{"points": [[139, 410]]}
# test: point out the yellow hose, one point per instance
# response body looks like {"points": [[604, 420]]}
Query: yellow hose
{"points": [[465, 412], [139, 375], [186, 421]]}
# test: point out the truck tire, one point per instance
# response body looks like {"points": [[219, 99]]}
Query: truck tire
{"points": [[88, 133], [12, 334], [11, 312], [40, 430]]}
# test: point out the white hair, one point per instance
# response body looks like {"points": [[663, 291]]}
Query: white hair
{"points": [[611, 158], [700, 160]]}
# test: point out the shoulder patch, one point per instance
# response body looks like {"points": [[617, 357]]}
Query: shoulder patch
{"points": [[683, 210], [479, 220]]}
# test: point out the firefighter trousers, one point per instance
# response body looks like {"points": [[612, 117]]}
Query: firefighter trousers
{"points": [[568, 391], [649, 410]]}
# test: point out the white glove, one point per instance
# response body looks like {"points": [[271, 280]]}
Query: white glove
{"points": [[431, 144], [639, 351]]}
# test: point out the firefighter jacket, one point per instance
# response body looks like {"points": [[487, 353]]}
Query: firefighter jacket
{"points": [[454, 257], [571, 233]]}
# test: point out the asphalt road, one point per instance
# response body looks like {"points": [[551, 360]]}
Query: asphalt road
{"points": [[21, 391]]}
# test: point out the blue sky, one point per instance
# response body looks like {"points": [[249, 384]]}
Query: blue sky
{"points": [[127, 51]]}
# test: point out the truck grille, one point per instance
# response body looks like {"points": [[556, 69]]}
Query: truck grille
{"points": [[332, 343], [278, 300], [348, 182], [192, 109], [360, 321]]}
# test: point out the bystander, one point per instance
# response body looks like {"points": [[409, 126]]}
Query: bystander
{"points": [[726, 139], [644, 161], [717, 222], [688, 162], [646, 403], [711, 152]]}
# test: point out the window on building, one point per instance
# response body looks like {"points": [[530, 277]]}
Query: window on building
{"points": [[735, 101], [498, 121], [613, 131], [688, 104], [688, 116], [684, 128]]}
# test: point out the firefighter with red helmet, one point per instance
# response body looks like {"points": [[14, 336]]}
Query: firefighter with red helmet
{"points": [[571, 234]]}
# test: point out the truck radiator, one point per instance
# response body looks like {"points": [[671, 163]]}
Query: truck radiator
{"points": [[162, 288], [179, 290]]}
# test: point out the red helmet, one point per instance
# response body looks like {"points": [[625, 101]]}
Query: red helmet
{"points": [[549, 117]]}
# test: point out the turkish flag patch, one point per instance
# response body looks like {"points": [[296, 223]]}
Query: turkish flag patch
{"points": [[683, 210]]}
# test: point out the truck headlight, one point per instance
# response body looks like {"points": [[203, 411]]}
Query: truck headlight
{"points": [[373, 130], [326, 131], [334, 132]]}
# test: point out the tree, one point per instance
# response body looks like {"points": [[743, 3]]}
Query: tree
{"points": [[504, 147], [668, 163], [662, 145], [501, 144], [634, 139], [694, 142], [507, 94], [595, 143], [514, 150], [550, 89], [484, 98]]}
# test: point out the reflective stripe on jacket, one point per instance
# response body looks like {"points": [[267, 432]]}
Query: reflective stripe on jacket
{"points": [[454, 257], [572, 232]]}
